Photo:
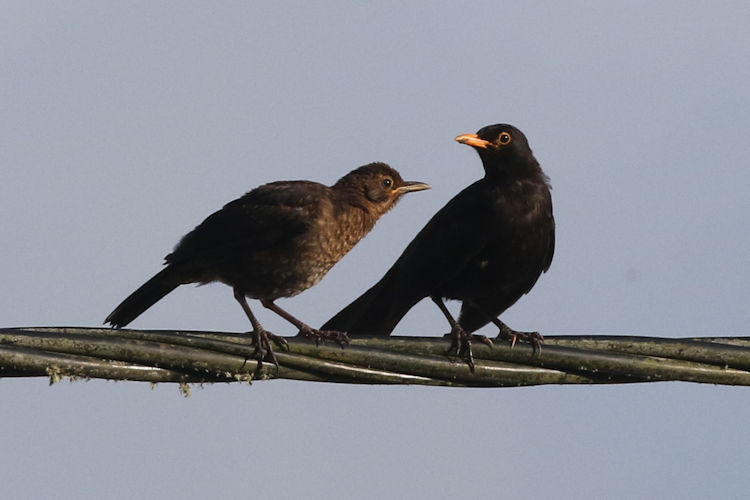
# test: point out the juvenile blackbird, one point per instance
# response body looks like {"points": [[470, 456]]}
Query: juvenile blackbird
{"points": [[486, 247], [275, 241]]}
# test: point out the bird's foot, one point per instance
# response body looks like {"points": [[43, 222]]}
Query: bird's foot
{"points": [[461, 344], [483, 339], [341, 338], [263, 351], [534, 338]]}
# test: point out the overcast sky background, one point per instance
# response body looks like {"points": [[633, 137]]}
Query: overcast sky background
{"points": [[124, 124]]}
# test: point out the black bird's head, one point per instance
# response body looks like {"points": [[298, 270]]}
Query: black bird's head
{"points": [[376, 187], [504, 151]]}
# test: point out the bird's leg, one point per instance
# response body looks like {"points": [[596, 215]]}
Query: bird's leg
{"points": [[261, 338], [475, 336], [460, 340], [306, 331], [507, 333]]}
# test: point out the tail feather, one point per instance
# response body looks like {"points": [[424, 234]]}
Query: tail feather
{"points": [[375, 312], [144, 297]]}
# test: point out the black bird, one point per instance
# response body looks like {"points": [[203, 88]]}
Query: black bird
{"points": [[275, 241], [487, 247]]}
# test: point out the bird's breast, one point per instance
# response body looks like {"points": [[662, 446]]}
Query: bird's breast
{"points": [[308, 258], [516, 243]]}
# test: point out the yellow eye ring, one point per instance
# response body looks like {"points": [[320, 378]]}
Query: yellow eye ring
{"points": [[504, 138]]}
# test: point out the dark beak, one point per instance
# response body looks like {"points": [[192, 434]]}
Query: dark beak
{"points": [[410, 186]]}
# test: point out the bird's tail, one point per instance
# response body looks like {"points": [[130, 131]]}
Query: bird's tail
{"points": [[147, 295], [375, 312]]}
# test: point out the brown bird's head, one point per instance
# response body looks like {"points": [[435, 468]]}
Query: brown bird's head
{"points": [[504, 151], [376, 187]]}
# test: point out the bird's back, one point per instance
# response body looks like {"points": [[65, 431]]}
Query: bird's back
{"points": [[256, 240]]}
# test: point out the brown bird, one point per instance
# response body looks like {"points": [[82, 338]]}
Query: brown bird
{"points": [[275, 241], [486, 247]]}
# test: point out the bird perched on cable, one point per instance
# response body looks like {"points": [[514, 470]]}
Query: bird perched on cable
{"points": [[487, 247], [276, 241]]}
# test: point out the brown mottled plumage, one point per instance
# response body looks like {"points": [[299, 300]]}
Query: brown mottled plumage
{"points": [[275, 241]]}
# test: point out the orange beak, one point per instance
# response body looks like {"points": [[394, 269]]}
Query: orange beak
{"points": [[473, 140]]}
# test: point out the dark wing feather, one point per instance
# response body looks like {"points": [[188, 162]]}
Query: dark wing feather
{"points": [[420, 270], [262, 219]]}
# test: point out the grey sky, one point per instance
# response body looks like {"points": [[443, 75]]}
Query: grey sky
{"points": [[125, 124]]}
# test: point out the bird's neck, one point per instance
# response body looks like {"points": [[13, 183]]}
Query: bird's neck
{"points": [[354, 218], [510, 172], [361, 214]]}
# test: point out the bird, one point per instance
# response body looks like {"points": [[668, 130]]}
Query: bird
{"points": [[276, 241], [486, 247]]}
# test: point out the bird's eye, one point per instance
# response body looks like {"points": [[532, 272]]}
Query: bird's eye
{"points": [[504, 138], [387, 182]]}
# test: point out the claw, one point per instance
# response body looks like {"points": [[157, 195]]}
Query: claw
{"points": [[341, 338], [461, 345], [534, 338], [263, 350], [484, 340]]}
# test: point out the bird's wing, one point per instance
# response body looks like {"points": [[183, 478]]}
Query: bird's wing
{"points": [[451, 239], [551, 243], [265, 218], [438, 254]]}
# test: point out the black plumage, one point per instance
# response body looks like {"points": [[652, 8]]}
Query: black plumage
{"points": [[486, 247]]}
